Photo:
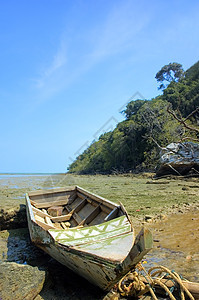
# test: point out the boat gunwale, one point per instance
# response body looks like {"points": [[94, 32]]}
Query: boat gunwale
{"points": [[90, 194]]}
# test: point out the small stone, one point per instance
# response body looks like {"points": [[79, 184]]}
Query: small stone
{"points": [[148, 217], [188, 257], [184, 188]]}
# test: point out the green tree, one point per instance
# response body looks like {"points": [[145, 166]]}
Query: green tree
{"points": [[133, 107], [169, 73], [148, 126]]}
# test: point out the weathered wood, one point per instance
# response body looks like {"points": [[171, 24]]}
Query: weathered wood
{"points": [[99, 218], [76, 202], [89, 200], [64, 225], [39, 218], [112, 214], [55, 211], [80, 206], [49, 204], [72, 198], [97, 198], [51, 191], [106, 209], [101, 253], [142, 245], [126, 213], [57, 225], [77, 218], [54, 197], [62, 218], [47, 218], [48, 221], [54, 219], [43, 224], [39, 212], [91, 216], [193, 287], [80, 195]]}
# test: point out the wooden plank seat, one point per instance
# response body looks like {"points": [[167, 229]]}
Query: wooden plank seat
{"points": [[49, 204]]}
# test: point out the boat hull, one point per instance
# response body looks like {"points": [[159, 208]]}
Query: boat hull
{"points": [[102, 261], [104, 275]]}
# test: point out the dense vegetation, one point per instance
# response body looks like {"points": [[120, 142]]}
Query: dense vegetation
{"points": [[134, 144]]}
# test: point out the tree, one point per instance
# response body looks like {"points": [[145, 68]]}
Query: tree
{"points": [[169, 73], [133, 107]]}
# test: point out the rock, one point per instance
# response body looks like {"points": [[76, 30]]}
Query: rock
{"points": [[14, 217], [61, 283], [179, 159], [20, 281], [148, 218], [185, 188]]}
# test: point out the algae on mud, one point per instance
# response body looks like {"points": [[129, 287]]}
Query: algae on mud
{"points": [[139, 193]]}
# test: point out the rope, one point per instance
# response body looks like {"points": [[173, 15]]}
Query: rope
{"points": [[176, 278], [135, 284]]}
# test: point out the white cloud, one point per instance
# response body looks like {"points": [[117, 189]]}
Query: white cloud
{"points": [[83, 50], [120, 30], [58, 63]]}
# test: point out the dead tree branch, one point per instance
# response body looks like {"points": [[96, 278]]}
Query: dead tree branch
{"points": [[183, 122]]}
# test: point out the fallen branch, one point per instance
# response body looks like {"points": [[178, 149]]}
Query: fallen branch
{"points": [[183, 122]]}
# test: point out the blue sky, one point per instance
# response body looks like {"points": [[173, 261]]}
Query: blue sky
{"points": [[68, 67]]}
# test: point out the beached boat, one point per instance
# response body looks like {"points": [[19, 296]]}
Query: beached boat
{"points": [[87, 233]]}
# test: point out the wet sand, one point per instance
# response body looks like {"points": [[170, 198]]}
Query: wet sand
{"points": [[176, 244]]}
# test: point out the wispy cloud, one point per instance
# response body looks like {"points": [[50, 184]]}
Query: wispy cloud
{"points": [[119, 31], [58, 63], [78, 54]]}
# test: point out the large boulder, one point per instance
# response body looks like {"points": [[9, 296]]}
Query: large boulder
{"points": [[179, 159], [13, 217], [20, 281]]}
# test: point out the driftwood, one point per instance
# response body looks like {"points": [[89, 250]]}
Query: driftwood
{"points": [[193, 287]]}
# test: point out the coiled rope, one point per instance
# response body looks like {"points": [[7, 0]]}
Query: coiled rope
{"points": [[134, 284]]}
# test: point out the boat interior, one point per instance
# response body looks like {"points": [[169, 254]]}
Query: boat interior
{"points": [[66, 208]]}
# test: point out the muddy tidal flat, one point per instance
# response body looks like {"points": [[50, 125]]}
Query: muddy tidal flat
{"points": [[169, 207]]}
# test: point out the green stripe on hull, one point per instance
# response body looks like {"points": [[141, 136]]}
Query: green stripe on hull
{"points": [[89, 234]]}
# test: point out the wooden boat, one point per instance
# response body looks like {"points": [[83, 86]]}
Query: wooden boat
{"points": [[85, 232]]}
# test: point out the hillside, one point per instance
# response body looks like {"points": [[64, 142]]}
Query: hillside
{"points": [[134, 144]]}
